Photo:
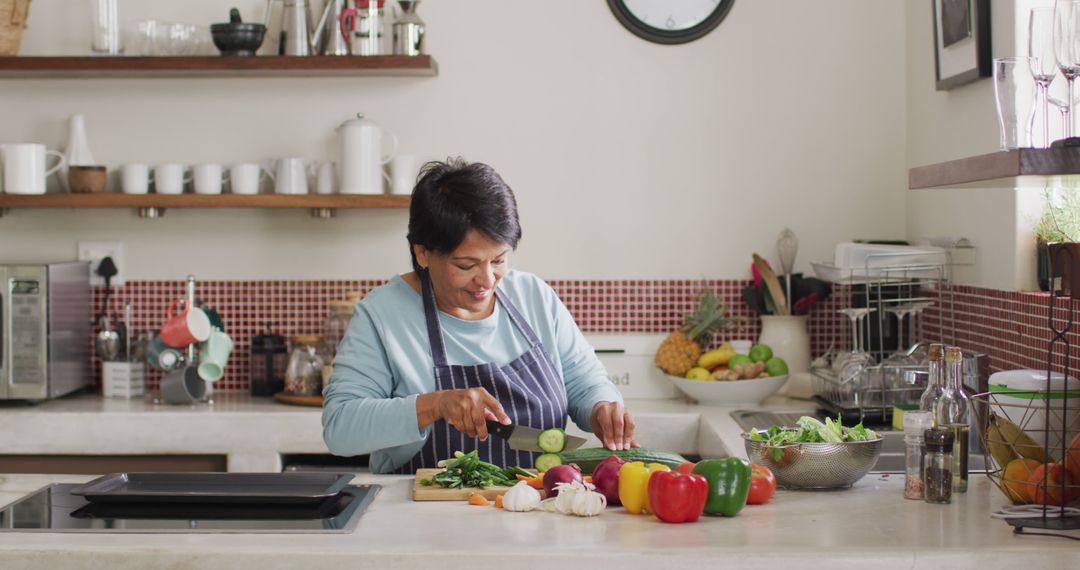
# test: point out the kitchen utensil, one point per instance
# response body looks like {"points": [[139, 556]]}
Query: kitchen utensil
{"points": [[403, 170], [214, 355], [162, 356], [524, 438], [135, 178], [246, 177], [105, 30], [24, 167], [752, 391], [802, 306], [408, 30], [1066, 17], [170, 178], [303, 377], [128, 349], [437, 493], [267, 363], [236, 37], [1014, 91], [788, 337], [123, 379], [755, 299], [185, 327], [208, 178], [1043, 64], [362, 157], [324, 177], [183, 386], [787, 246], [107, 342], [296, 27], [292, 177], [329, 36], [815, 465], [289, 487], [772, 283], [87, 179], [363, 26], [12, 25]]}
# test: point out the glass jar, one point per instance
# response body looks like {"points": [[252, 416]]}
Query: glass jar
{"points": [[952, 412], [915, 426], [335, 326], [937, 474], [304, 376]]}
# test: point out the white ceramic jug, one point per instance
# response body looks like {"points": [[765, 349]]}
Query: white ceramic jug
{"points": [[361, 156]]}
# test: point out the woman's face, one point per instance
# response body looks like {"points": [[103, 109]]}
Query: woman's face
{"points": [[464, 280]]}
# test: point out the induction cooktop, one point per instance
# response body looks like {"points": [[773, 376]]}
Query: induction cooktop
{"points": [[54, 509]]}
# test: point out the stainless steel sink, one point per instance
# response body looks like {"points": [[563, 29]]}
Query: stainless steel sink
{"points": [[892, 445]]}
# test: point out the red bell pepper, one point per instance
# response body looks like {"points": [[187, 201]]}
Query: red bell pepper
{"points": [[677, 498]]}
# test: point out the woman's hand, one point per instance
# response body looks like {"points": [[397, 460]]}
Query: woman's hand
{"points": [[466, 410], [613, 424]]}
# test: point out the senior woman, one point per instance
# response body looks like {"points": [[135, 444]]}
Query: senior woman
{"points": [[462, 339]]}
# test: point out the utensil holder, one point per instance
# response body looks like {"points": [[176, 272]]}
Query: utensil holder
{"points": [[124, 380]]}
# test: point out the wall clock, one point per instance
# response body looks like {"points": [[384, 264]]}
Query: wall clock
{"points": [[670, 21]]}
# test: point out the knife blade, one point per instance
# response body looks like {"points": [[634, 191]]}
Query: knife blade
{"points": [[523, 438]]}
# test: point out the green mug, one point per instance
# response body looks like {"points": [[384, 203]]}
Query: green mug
{"points": [[214, 355]]}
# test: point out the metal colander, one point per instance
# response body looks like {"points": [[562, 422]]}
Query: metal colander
{"points": [[815, 465]]}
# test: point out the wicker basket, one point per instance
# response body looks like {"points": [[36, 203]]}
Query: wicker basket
{"points": [[13, 14]]}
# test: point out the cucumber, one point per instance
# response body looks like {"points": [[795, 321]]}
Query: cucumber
{"points": [[588, 459], [552, 440], [547, 461]]}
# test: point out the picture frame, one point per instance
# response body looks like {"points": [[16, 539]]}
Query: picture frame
{"points": [[961, 42]]}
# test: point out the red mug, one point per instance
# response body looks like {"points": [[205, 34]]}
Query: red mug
{"points": [[184, 328]]}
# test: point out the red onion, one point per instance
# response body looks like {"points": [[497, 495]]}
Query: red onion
{"points": [[606, 478], [560, 474]]}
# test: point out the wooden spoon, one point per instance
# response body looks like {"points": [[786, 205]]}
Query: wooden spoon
{"points": [[772, 283]]}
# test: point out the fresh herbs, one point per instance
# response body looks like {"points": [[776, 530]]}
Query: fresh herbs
{"points": [[467, 470], [811, 430]]}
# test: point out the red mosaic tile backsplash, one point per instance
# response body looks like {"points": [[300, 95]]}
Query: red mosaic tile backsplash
{"points": [[300, 307]]}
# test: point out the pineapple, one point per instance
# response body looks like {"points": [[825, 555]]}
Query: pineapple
{"points": [[681, 349]]}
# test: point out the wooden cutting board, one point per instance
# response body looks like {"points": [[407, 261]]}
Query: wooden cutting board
{"points": [[437, 493]]}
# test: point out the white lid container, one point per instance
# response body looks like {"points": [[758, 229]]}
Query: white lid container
{"points": [[1022, 397]]}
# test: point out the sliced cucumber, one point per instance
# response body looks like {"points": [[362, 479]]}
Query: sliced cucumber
{"points": [[552, 440], [547, 461]]}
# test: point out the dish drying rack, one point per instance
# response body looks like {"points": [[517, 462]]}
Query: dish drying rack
{"points": [[884, 281]]}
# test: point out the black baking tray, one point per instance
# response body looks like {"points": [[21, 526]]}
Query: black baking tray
{"points": [[264, 488]]}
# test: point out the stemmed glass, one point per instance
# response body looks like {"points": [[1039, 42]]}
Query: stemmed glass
{"points": [[897, 363], [848, 364], [1043, 63], [1065, 49], [1062, 107]]}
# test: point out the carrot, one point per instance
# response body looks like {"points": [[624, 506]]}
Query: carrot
{"points": [[534, 482], [478, 500], [498, 501], [587, 478]]}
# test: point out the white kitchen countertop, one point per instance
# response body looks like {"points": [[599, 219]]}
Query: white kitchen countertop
{"points": [[870, 525]]}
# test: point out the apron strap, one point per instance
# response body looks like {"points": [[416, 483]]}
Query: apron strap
{"points": [[431, 315], [518, 318]]}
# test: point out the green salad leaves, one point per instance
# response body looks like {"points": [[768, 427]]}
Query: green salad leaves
{"points": [[811, 430]]}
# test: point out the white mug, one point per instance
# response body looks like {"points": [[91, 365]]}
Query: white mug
{"points": [[208, 178], [403, 174], [324, 177], [135, 178], [24, 167], [170, 179], [291, 177], [246, 177]]}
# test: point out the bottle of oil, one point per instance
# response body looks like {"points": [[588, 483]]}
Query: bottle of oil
{"points": [[951, 411], [936, 386]]}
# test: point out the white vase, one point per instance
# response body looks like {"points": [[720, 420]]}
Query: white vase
{"points": [[78, 148], [789, 339]]}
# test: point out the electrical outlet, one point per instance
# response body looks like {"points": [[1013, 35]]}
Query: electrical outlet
{"points": [[95, 251]]}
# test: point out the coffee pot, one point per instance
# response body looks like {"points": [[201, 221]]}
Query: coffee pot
{"points": [[297, 27], [362, 156]]}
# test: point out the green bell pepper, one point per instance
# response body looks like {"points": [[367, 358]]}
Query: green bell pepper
{"points": [[729, 484]]}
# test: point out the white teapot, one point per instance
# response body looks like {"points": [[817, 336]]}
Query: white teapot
{"points": [[361, 156]]}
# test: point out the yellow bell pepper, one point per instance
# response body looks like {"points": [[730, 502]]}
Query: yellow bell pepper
{"points": [[634, 485]]}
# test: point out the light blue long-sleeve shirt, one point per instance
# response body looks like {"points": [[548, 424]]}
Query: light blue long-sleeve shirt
{"points": [[384, 362]]}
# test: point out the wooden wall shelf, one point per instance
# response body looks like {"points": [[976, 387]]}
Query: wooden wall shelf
{"points": [[65, 67], [997, 168], [163, 201]]}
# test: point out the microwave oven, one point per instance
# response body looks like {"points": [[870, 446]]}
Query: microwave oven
{"points": [[45, 314]]}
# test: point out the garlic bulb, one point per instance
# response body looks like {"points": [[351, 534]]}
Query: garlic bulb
{"points": [[574, 499], [521, 498]]}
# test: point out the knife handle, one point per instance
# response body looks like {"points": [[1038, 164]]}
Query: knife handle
{"points": [[499, 430]]}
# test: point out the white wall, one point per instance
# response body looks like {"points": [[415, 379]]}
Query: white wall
{"points": [[946, 125], [629, 159]]}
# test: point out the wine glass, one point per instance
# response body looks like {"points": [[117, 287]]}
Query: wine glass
{"points": [[897, 363], [1065, 49], [1043, 63], [848, 365], [1063, 107]]}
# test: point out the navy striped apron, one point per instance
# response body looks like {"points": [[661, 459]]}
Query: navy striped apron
{"points": [[530, 389]]}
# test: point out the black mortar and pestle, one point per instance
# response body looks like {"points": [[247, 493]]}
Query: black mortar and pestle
{"points": [[237, 37]]}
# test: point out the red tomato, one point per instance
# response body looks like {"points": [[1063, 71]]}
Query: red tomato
{"points": [[762, 485], [686, 468]]}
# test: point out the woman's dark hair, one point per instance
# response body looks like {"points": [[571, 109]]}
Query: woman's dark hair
{"points": [[452, 197]]}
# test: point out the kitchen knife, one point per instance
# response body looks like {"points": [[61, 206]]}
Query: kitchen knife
{"points": [[524, 438]]}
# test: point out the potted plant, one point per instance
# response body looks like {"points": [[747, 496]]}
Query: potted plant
{"points": [[1057, 234]]}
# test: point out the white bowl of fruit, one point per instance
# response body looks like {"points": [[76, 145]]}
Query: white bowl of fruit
{"points": [[723, 377]]}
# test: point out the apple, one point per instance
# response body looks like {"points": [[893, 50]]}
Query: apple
{"points": [[1050, 492]]}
